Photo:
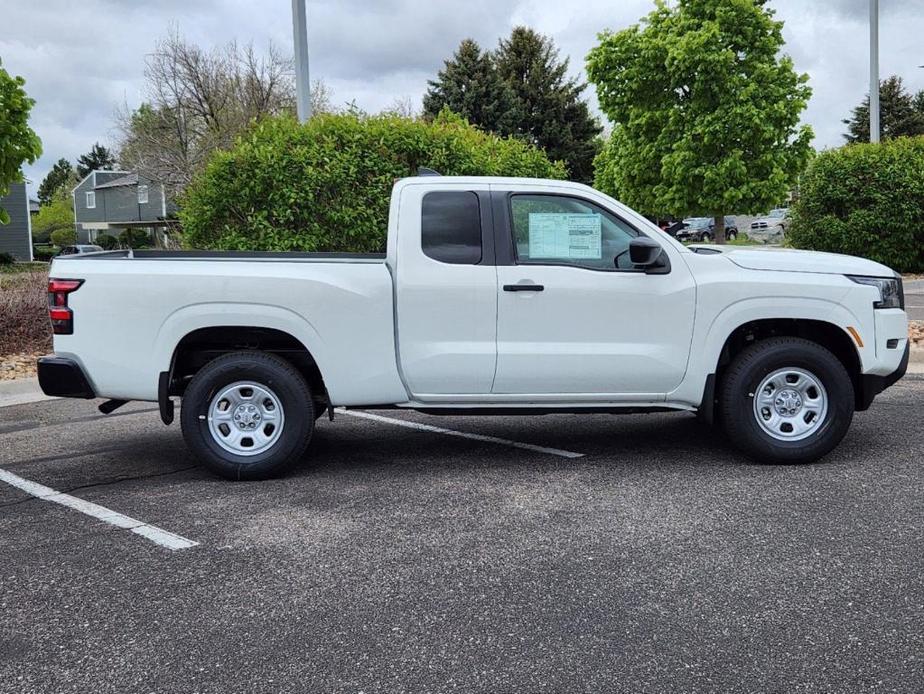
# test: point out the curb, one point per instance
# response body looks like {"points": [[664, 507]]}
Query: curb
{"points": [[21, 391]]}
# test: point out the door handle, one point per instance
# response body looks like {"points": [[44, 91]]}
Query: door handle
{"points": [[523, 288]]}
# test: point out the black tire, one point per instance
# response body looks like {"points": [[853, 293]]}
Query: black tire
{"points": [[731, 236], [266, 370], [705, 237], [746, 373]]}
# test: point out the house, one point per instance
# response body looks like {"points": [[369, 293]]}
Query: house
{"points": [[16, 237], [109, 202]]}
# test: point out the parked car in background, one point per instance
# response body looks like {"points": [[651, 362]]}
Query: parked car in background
{"points": [[80, 249], [702, 229], [771, 228]]}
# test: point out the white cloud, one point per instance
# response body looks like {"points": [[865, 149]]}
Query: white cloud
{"points": [[83, 60]]}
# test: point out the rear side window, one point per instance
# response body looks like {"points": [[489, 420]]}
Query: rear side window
{"points": [[450, 227]]}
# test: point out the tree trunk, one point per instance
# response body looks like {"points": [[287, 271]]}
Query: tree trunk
{"points": [[719, 230]]}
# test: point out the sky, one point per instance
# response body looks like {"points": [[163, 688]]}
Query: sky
{"points": [[84, 60]]}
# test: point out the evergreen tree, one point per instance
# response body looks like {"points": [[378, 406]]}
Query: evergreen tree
{"points": [[900, 113], [54, 181], [551, 113], [97, 159], [471, 87]]}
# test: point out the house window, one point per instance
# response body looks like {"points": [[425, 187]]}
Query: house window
{"points": [[91, 200], [142, 195]]}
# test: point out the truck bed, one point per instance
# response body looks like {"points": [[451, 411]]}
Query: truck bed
{"points": [[124, 254]]}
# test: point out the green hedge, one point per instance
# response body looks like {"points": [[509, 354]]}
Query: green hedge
{"points": [[866, 200], [325, 185]]}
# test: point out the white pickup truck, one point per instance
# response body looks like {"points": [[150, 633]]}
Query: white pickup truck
{"points": [[495, 296]]}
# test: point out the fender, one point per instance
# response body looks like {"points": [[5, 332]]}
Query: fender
{"points": [[708, 341]]}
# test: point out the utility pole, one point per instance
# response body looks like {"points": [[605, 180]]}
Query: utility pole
{"points": [[302, 83], [874, 71]]}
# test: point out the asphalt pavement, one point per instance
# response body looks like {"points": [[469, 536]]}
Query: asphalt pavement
{"points": [[914, 299], [400, 559]]}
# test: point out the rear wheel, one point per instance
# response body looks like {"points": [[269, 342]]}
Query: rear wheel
{"points": [[247, 415], [705, 237], [786, 400]]}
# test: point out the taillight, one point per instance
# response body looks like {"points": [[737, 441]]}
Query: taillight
{"points": [[62, 318]]}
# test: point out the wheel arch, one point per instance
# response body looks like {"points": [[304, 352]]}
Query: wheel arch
{"points": [[829, 335], [199, 346]]}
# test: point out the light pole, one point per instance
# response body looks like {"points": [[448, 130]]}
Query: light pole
{"points": [[874, 70], [302, 83]]}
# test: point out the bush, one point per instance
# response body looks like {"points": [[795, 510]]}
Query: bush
{"points": [[6, 259], [44, 253], [107, 242], [866, 200], [64, 237], [134, 238], [325, 185]]}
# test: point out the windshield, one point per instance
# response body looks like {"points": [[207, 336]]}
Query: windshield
{"points": [[697, 222], [778, 213]]}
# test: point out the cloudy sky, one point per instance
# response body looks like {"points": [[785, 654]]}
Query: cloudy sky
{"points": [[82, 60]]}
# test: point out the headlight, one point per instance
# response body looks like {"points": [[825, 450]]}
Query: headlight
{"points": [[890, 290]]}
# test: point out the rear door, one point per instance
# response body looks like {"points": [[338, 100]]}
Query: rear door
{"points": [[446, 290], [574, 316]]}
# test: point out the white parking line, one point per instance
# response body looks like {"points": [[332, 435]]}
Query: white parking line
{"points": [[157, 535], [462, 434]]}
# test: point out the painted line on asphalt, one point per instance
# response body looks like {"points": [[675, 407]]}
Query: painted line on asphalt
{"points": [[159, 536], [462, 434]]}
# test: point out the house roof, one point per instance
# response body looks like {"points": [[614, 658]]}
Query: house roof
{"points": [[128, 180], [93, 174]]}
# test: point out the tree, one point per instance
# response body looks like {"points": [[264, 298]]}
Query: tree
{"points": [[705, 110], [55, 215], [470, 86], [18, 142], [200, 101], [99, 158], [900, 113], [55, 180], [64, 237], [550, 111]]}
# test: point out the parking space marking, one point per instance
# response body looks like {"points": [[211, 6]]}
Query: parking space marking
{"points": [[462, 434], [162, 537]]}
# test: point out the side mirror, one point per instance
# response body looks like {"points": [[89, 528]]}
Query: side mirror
{"points": [[644, 251]]}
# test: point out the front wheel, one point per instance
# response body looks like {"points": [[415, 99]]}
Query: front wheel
{"points": [[705, 237], [786, 400], [247, 415]]}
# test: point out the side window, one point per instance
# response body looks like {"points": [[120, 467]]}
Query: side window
{"points": [[450, 227], [560, 230], [91, 200], [142, 195]]}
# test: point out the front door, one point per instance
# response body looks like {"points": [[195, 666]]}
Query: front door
{"points": [[573, 314]]}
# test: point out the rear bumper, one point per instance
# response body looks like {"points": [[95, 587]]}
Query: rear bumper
{"points": [[63, 378], [870, 385]]}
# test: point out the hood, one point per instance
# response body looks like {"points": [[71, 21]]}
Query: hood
{"points": [[791, 260]]}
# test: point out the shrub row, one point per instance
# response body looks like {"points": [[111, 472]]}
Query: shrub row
{"points": [[866, 200], [325, 185]]}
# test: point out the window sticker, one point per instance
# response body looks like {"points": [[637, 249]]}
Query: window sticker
{"points": [[565, 236]]}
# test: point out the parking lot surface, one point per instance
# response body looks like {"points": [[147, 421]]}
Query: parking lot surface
{"points": [[402, 559]]}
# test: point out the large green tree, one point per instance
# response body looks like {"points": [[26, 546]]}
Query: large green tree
{"points": [[551, 112], [18, 142], [470, 86], [99, 158], [55, 180], [55, 215], [705, 110], [900, 113]]}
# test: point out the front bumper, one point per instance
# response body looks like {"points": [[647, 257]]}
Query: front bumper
{"points": [[63, 378], [871, 385]]}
